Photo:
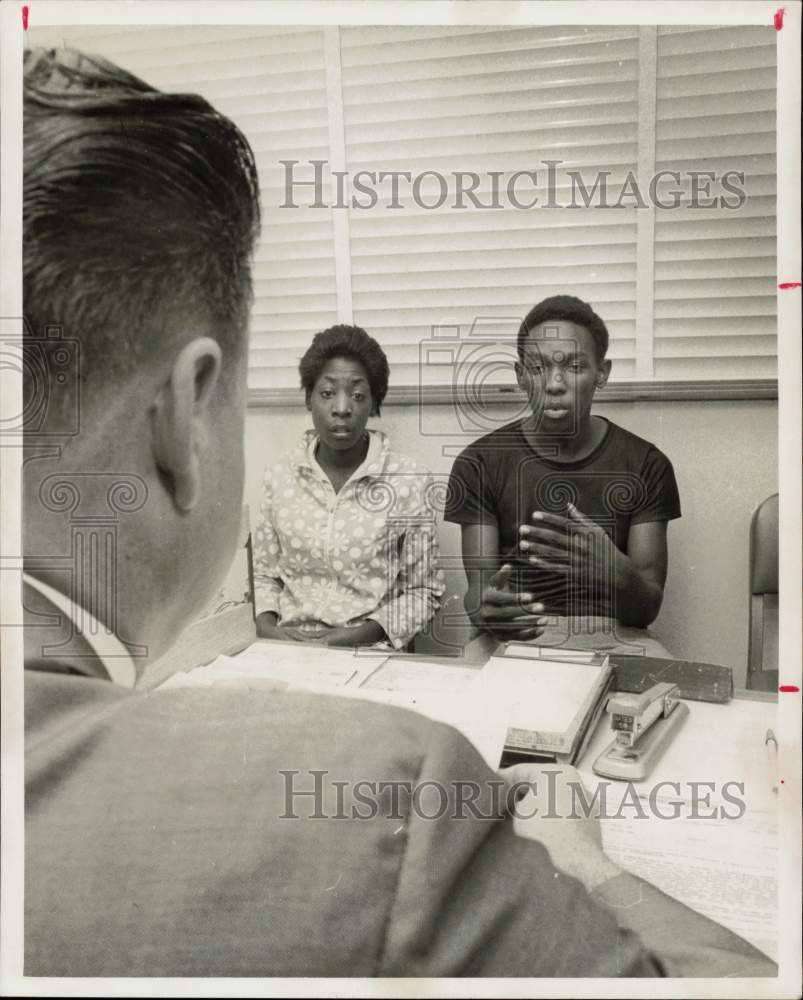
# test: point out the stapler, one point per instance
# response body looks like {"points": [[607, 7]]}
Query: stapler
{"points": [[644, 724]]}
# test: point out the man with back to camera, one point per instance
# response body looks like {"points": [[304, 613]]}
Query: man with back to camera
{"points": [[160, 840], [563, 513]]}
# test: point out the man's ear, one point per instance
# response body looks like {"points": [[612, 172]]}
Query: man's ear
{"points": [[603, 374], [521, 376], [178, 415]]}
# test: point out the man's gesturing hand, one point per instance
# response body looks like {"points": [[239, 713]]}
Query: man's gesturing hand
{"points": [[509, 614], [572, 545]]}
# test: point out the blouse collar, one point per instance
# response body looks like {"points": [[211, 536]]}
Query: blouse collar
{"points": [[303, 455]]}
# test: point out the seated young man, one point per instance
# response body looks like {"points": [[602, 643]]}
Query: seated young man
{"points": [[563, 512]]}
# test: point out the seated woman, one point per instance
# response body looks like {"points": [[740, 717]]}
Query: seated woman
{"points": [[346, 551]]}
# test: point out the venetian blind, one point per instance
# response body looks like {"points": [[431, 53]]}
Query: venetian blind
{"points": [[715, 268], [485, 100], [492, 100]]}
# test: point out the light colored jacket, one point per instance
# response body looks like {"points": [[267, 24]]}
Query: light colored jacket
{"points": [[367, 552]]}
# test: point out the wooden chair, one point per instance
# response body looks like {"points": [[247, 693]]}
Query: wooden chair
{"points": [[762, 661]]}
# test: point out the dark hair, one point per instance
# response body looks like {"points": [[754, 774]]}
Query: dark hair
{"points": [[566, 307], [139, 207], [343, 341]]}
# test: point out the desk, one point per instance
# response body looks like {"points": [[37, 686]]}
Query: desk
{"points": [[725, 866]]}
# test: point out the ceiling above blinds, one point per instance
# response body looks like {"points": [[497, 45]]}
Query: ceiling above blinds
{"points": [[429, 281]]}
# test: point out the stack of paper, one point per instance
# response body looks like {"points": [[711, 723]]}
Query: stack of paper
{"points": [[551, 702]]}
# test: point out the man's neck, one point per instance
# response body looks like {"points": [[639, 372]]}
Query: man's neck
{"points": [[566, 447]]}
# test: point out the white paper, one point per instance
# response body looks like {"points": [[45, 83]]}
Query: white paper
{"points": [[405, 673], [724, 869], [292, 664], [544, 695]]}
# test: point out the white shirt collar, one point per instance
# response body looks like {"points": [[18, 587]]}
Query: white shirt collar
{"points": [[107, 647]]}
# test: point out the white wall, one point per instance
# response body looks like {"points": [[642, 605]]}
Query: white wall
{"points": [[725, 459]]}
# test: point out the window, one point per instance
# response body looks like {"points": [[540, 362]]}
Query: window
{"points": [[715, 283], [581, 118]]}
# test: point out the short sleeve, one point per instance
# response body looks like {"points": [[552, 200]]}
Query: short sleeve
{"points": [[469, 499], [661, 500]]}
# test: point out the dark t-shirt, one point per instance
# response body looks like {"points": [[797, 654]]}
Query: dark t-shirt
{"points": [[501, 480]]}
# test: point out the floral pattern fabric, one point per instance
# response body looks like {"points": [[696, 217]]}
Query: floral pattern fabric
{"points": [[369, 552]]}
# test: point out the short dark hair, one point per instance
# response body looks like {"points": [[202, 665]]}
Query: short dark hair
{"points": [[566, 307], [344, 341], [139, 207]]}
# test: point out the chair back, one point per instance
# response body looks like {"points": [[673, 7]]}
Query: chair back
{"points": [[764, 547], [762, 663]]}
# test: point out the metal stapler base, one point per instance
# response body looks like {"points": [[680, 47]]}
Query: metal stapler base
{"points": [[635, 763]]}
